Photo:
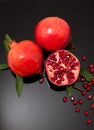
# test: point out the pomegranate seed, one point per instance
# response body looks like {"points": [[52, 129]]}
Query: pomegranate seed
{"points": [[72, 98], [77, 109], [92, 80], [84, 58], [89, 97], [89, 121], [83, 93], [89, 84], [84, 86], [86, 113], [82, 79], [92, 70], [92, 106], [75, 102], [91, 66], [64, 99], [88, 89], [80, 101], [73, 47], [41, 80]]}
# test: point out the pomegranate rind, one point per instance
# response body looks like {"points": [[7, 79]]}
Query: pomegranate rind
{"points": [[26, 58], [52, 33], [62, 68]]}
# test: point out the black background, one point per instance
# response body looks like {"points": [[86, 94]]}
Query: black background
{"points": [[40, 107]]}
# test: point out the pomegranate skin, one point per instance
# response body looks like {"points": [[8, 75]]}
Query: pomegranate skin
{"points": [[52, 33], [62, 68], [25, 58]]}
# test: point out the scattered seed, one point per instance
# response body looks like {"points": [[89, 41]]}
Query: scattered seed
{"points": [[72, 98], [41, 80], [80, 101], [86, 112], [92, 106], [90, 97], [84, 58], [89, 121], [83, 93], [75, 102], [64, 99], [77, 109]]}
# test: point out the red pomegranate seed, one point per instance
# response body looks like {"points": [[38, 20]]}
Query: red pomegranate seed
{"points": [[77, 109], [83, 93], [88, 89], [82, 79], [73, 47], [91, 66], [86, 112], [92, 70], [84, 58], [75, 102], [84, 86], [92, 106], [89, 121], [92, 80], [90, 97], [64, 99], [41, 80], [72, 98], [80, 101], [89, 84]]}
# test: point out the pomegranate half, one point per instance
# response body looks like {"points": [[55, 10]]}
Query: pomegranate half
{"points": [[25, 58], [62, 67]]}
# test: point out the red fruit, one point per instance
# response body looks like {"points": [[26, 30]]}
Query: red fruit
{"points": [[77, 109], [83, 93], [25, 58], [80, 101], [90, 97], [75, 102], [84, 58], [72, 98], [64, 99], [52, 33], [86, 112], [92, 81], [89, 121], [92, 106], [62, 68]]}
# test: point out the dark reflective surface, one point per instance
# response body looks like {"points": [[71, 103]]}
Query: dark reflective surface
{"points": [[40, 107]]}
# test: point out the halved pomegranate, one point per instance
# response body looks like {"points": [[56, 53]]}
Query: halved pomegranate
{"points": [[62, 67]]}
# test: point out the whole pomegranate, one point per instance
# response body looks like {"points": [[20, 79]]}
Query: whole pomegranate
{"points": [[62, 67], [25, 58], [52, 33]]}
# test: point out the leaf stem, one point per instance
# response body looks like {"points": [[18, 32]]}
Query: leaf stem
{"points": [[76, 88]]}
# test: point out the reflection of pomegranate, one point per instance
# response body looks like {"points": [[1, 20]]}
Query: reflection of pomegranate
{"points": [[52, 33], [25, 58], [62, 68]]}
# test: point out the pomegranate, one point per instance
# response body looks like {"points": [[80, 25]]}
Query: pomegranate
{"points": [[62, 67], [25, 58], [52, 33]]}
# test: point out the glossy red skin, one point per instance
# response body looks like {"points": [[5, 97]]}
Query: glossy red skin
{"points": [[52, 33], [26, 58]]}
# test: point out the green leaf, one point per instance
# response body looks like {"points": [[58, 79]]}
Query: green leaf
{"points": [[8, 38], [69, 90], [4, 66], [86, 74], [6, 46], [19, 85]]}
